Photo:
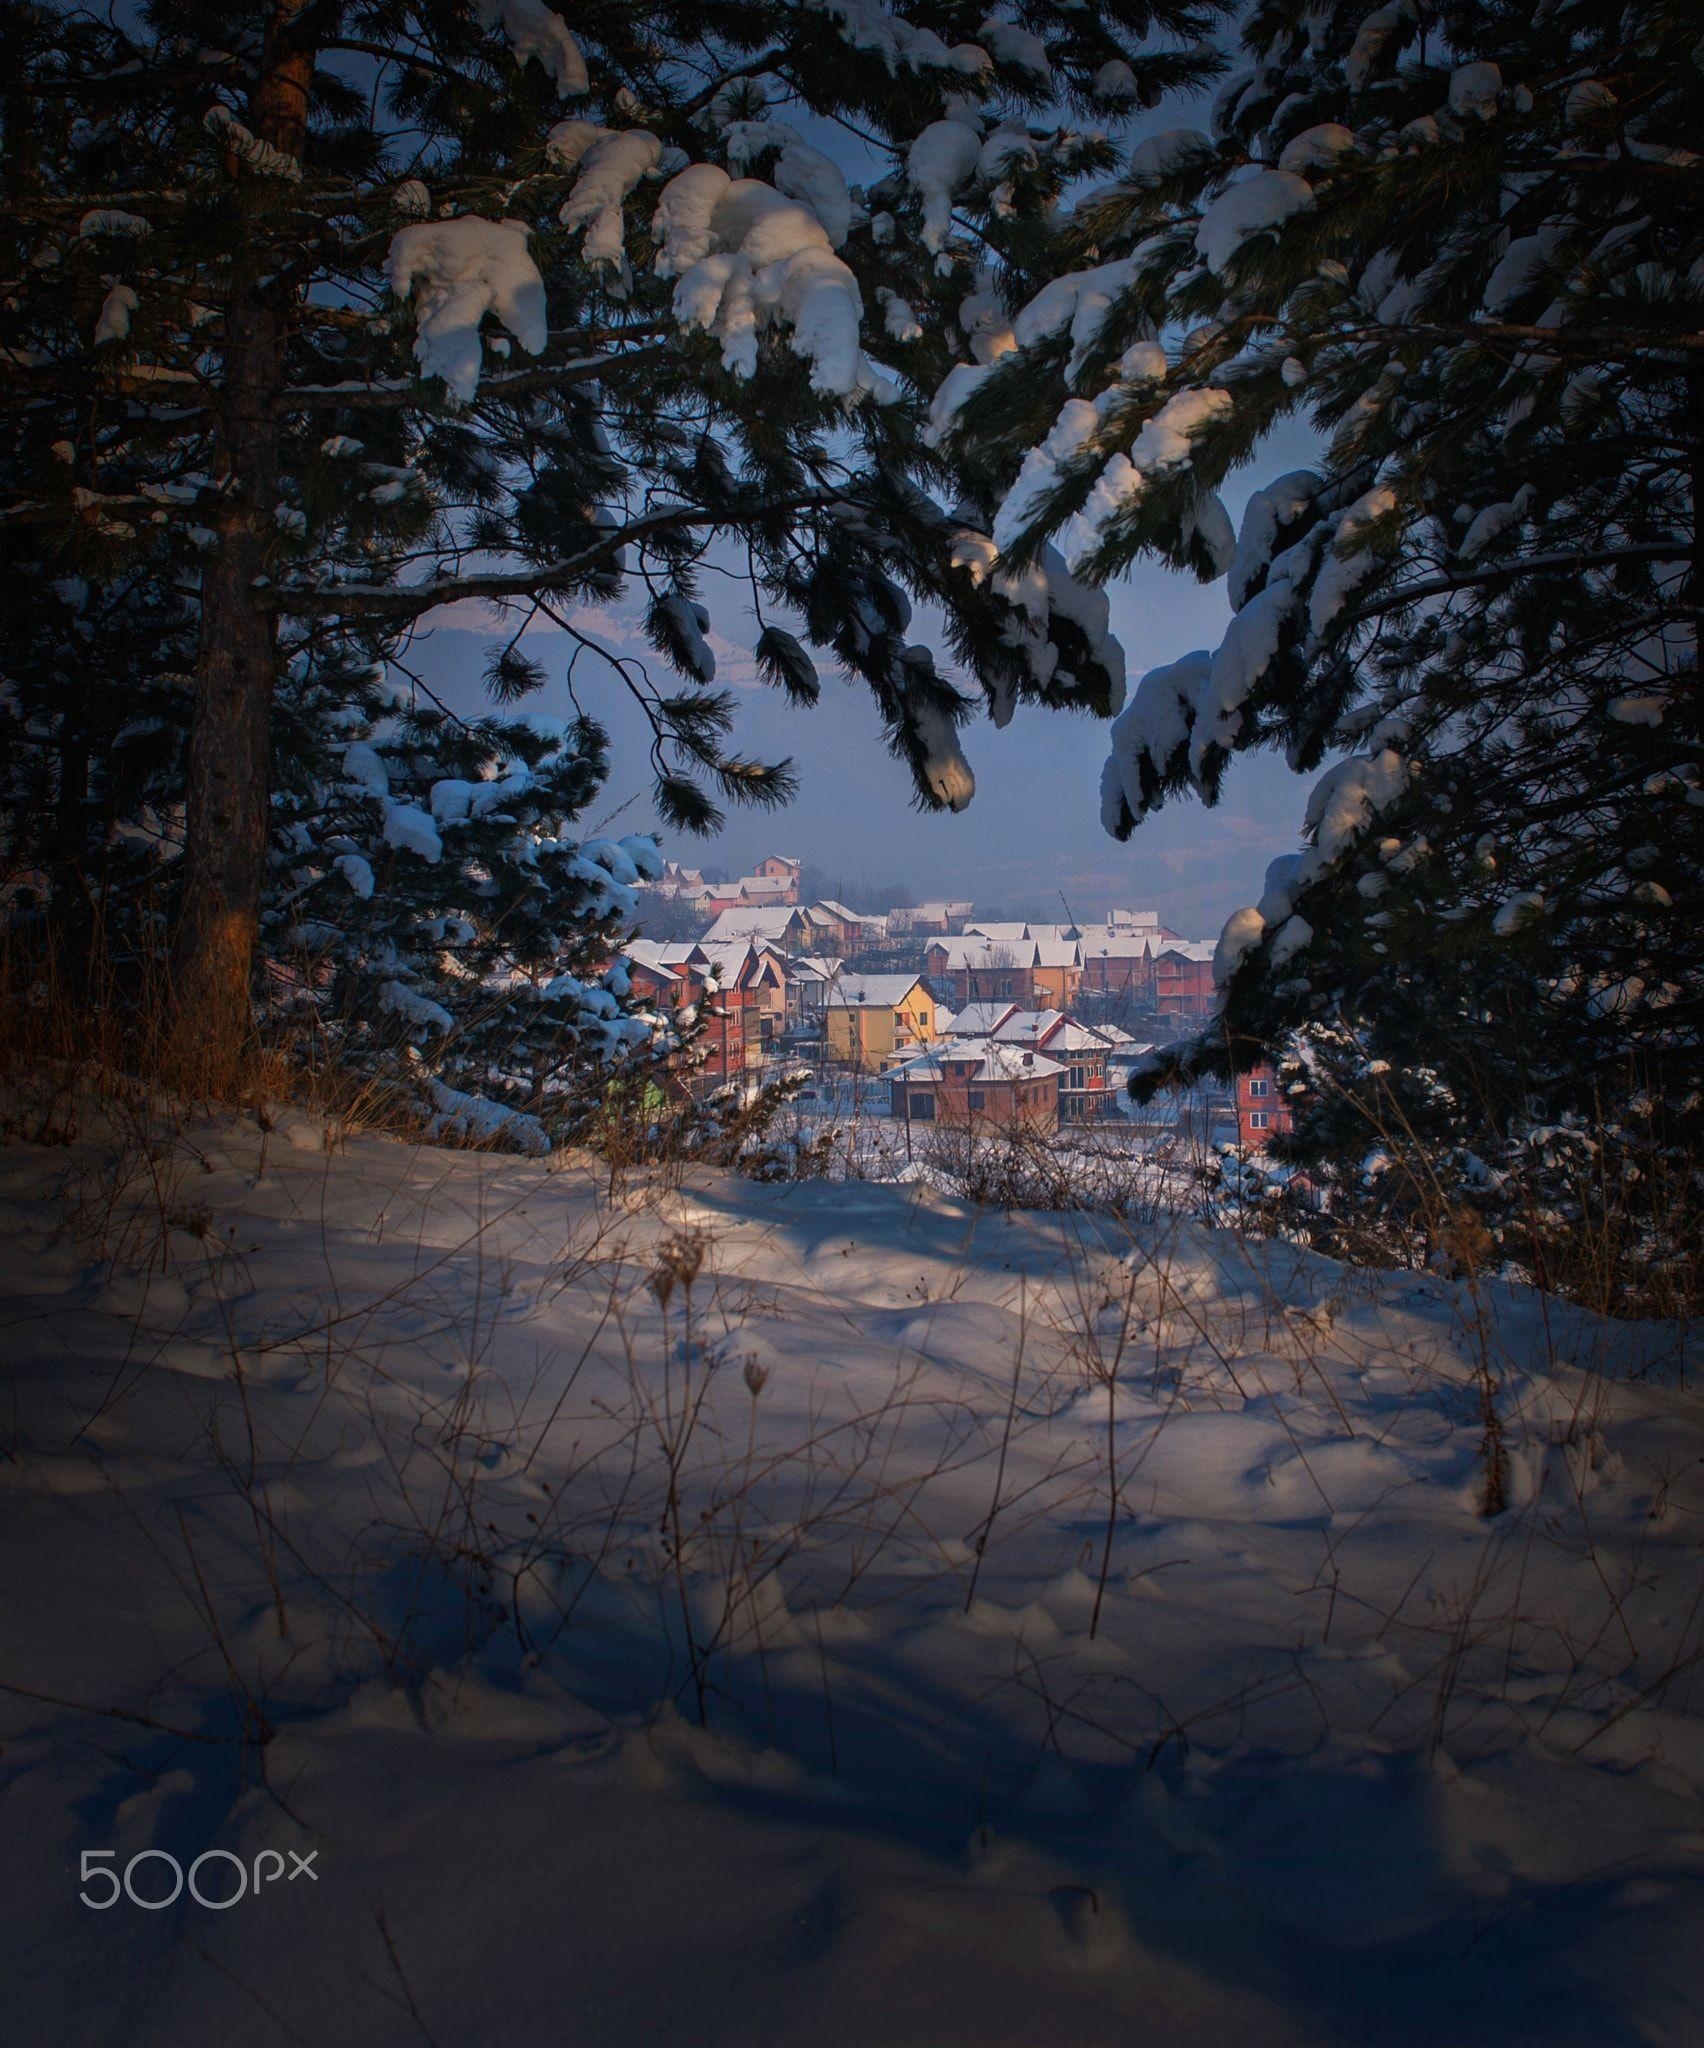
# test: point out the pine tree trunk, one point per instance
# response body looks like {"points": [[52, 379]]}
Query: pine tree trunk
{"points": [[227, 788]]}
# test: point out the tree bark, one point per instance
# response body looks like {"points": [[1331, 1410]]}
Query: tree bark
{"points": [[227, 785]]}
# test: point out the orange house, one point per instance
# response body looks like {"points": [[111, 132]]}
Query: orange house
{"points": [[978, 1087]]}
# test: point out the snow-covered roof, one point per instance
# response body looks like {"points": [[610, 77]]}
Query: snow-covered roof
{"points": [[1191, 949], [872, 991], [1012, 930], [654, 967], [661, 953], [759, 922], [1068, 1036], [985, 953], [755, 888], [739, 956], [840, 911], [981, 1060], [1100, 945], [1006, 1024], [1058, 953], [980, 1020], [816, 967]]}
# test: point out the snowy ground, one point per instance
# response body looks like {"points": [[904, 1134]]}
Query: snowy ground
{"points": [[1097, 1636]]}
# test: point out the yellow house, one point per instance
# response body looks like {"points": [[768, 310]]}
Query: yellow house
{"points": [[1058, 973], [872, 1020]]}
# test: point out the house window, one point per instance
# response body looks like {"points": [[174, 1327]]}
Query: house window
{"points": [[1258, 1119], [1260, 1088], [1075, 1078], [923, 1108], [978, 1099]]}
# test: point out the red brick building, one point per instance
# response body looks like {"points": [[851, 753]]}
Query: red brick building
{"points": [[1183, 980], [1262, 1113]]}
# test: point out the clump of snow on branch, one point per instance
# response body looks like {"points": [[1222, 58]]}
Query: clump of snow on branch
{"points": [[938, 162], [1162, 445], [746, 256], [473, 1120], [114, 321], [457, 271], [1259, 204], [801, 172], [534, 31], [1038, 593], [1350, 561], [611, 163], [943, 768], [898, 42], [1342, 804]]}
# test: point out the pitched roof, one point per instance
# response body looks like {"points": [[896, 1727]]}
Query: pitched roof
{"points": [[984, 953], [1190, 949], [757, 888], [981, 1020], [1058, 953], [1021, 1027], [738, 957], [661, 953], [992, 1062], [872, 991], [654, 968], [817, 967], [772, 921], [1123, 945]]}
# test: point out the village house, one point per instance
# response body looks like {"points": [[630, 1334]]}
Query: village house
{"points": [[775, 880], [1057, 976], [810, 980], [750, 892], [1082, 1051], [1183, 979], [871, 1020], [1262, 1113], [788, 927], [977, 1085], [675, 978], [755, 977], [1118, 963], [1030, 972], [973, 970], [852, 931], [1145, 921], [683, 885], [927, 917]]}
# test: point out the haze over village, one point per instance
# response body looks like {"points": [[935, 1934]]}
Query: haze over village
{"points": [[967, 1022]]}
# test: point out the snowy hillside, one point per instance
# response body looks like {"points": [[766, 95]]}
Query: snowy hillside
{"points": [[740, 1615]]}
